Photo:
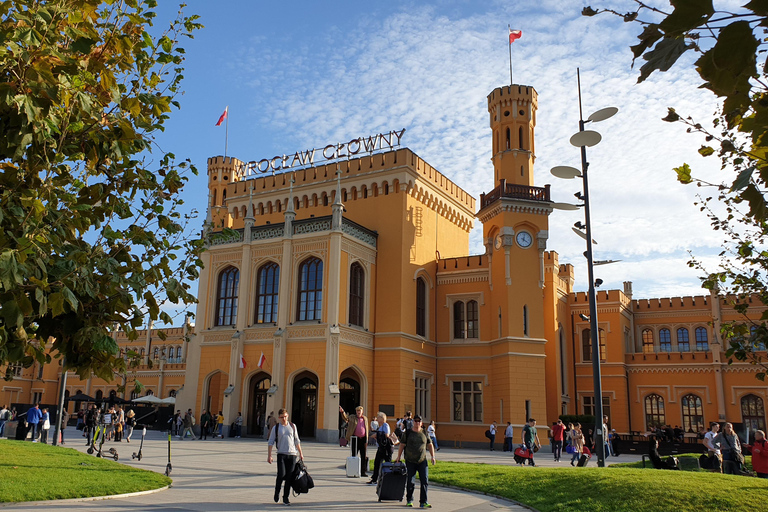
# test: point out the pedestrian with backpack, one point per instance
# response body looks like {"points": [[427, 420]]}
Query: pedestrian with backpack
{"points": [[286, 438]]}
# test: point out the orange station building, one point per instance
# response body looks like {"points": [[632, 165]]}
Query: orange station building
{"points": [[340, 276]]}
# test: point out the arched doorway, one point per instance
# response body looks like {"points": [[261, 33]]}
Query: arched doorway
{"points": [[349, 391], [213, 398], [257, 412], [304, 411]]}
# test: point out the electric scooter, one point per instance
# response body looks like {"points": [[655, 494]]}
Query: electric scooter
{"points": [[138, 455], [112, 453], [169, 467], [92, 445]]}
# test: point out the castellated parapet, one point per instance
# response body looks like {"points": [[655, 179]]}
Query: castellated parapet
{"points": [[506, 96], [671, 303]]}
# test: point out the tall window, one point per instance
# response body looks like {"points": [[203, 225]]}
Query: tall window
{"points": [[520, 137], [586, 345], [647, 341], [654, 411], [421, 307], [563, 362], [683, 343], [702, 342], [267, 288], [693, 413], [665, 340], [525, 320], [421, 403], [310, 290], [229, 279], [589, 406], [156, 353], [753, 412], [178, 354], [465, 323], [468, 401], [356, 289]]}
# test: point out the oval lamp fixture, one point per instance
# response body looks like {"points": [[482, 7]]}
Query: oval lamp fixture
{"points": [[565, 171], [565, 206], [586, 138], [603, 114], [582, 234]]}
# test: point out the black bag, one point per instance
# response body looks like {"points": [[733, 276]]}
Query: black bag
{"points": [[302, 482], [392, 479], [488, 434], [583, 461]]}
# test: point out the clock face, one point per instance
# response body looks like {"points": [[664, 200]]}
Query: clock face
{"points": [[524, 239], [497, 242]]}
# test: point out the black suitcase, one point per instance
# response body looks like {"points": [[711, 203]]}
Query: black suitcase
{"points": [[391, 484], [583, 461]]}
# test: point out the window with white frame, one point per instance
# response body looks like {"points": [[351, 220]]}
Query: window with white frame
{"points": [[422, 395], [465, 319], [467, 401]]}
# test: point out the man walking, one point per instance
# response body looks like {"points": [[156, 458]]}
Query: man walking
{"points": [[34, 415], [5, 415], [188, 422], [558, 430], [415, 443], [288, 448], [492, 435], [531, 438]]}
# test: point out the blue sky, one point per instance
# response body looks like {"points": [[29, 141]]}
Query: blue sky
{"points": [[302, 74]]}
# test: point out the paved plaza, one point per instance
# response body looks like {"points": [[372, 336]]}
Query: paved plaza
{"points": [[232, 474]]}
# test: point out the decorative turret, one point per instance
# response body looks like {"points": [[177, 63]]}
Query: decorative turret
{"points": [[512, 112], [337, 207]]}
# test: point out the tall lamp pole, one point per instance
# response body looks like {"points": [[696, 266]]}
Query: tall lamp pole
{"points": [[583, 139]]}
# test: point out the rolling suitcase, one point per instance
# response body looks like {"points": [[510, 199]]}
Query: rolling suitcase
{"points": [[353, 462], [392, 478], [583, 460]]}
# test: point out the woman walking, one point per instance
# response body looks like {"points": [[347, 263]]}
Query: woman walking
{"points": [[384, 452], [130, 423], [577, 441]]}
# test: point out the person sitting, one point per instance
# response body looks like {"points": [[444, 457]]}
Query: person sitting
{"points": [[656, 460]]}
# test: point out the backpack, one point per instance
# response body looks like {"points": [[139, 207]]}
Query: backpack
{"points": [[302, 482], [277, 434]]}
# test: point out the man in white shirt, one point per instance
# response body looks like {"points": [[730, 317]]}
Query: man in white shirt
{"points": [[509, 433], [493, 434], [288, 448], [714, 446]]}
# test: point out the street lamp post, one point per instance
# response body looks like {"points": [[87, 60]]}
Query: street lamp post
{"points": [[583, 139]]}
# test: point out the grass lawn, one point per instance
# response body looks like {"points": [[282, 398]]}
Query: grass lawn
{"points": [[35, 471], [607, 489]]}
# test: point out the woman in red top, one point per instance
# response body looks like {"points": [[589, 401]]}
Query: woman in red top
{"points": [[760, 455]]}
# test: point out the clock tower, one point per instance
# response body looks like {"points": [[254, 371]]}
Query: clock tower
{"points": [[515, 216]]}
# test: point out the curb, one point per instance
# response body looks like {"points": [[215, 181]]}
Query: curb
{"points": [[502, 498], [90, 498]]}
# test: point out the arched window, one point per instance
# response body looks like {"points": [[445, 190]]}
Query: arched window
{"points": [[525, 320], [386, 189], [156, 353], [134, 395], [99, 395], [665, 340], [683, 342], [178, 354], [356, 289], [586, 345], [702, 341], [310, 296], [654, 411], [509, 143], [213, 200], [172, 393], [458, 319], [421, 307], [520, 137], [563, 361], [693, 413], [472, 323], [647, 341], [150, 392], [753, 412], [229, 280], [267, 287]]}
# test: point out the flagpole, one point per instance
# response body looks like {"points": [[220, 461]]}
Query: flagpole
{"points": [[509, 41], [226, 133]]}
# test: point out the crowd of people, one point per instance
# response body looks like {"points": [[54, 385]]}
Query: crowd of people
{"points": [[118, 423]]}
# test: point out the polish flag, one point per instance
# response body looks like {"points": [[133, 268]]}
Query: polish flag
{"points": [[513, 34], [242, 361], [262, 360], [226, 109]]}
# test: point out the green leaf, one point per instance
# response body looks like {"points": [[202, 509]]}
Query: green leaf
{"points": [[663, 56], [56, 304], [757, 208], [683, 173], [706, 151], [672, 116], [688, 14], [743, 179]]}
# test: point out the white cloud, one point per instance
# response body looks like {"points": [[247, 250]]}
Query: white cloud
{"points": [[431, 72]]}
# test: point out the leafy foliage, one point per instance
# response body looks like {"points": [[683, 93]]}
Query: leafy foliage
{"points": [[92, 233], [729, 44]]}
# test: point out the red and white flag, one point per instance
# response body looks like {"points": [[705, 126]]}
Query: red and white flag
{"points": [[513, 35], [226, 110], [242, 361], [262, 360]]}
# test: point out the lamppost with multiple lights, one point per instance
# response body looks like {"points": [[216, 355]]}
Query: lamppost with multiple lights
{"points": [[583, 139]]}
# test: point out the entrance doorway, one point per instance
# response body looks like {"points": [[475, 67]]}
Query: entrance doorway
{"points": [[257, 414], [304, 411], [213, 399]]}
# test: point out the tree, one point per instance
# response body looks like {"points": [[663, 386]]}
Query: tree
{"points": [[93, 236], [728, 44]]}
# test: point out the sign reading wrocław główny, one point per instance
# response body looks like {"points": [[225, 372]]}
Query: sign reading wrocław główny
{"points": [[389, 140]]}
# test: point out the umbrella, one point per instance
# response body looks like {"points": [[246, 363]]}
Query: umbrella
{"points": [[149, 399], [168, 401], [80, 397]]}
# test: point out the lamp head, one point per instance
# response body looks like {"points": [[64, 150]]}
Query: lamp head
{"points": [[598, 282]]}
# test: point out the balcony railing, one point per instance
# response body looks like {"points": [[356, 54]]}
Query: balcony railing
{"points": [[511, 191]]}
